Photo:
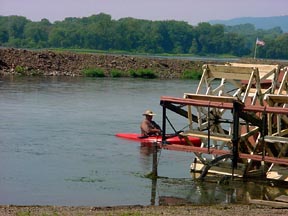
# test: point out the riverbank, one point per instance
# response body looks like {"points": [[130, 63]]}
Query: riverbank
{"points": [[50, 63], [220, 209], [53, 63]]}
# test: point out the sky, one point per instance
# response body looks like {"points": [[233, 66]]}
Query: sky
{"points": [[191, 11]]}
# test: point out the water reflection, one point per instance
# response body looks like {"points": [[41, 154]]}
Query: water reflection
{"points": [[197, 192], [213, 190]]}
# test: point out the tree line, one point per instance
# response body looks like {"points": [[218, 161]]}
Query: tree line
{"points": [[101, 32]]}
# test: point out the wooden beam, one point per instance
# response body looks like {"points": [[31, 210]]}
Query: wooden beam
{"points": [[261, 67], [213, 136], [282, 198], [187, 148], [272, 99], [277, 139], [229, 72], [221, 105], [222, 99], [269, 203], [267, 109], [194, 102]]}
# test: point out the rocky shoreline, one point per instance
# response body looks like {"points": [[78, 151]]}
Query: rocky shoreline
{"points": [[54, 63], [51, 63]]}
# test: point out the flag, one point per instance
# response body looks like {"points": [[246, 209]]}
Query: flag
{"points": [[260, 42]]}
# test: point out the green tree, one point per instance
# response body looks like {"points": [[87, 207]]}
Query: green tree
{"points": [[136, 35], [16, 26], [38, 32]]}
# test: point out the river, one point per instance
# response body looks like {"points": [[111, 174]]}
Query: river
{"points": [[57, 145]]}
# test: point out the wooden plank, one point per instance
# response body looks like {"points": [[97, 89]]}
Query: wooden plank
{"points": [[220, 105], [266, 72], [282, 198], [273, 204], [267, 76], [283, 87], [282, 133], [229, 72], [261, 67], [274, 139], [223, 99], [213, 136], [188, 148], [219, 169], [193, 102], [282, 92], [267, 109], [275, 175], [269, 159], [272, 98]]}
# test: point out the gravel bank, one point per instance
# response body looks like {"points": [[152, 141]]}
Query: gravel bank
{"points": [[221, 210]]}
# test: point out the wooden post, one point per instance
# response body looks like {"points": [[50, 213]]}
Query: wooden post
{"points": [[155, 161], [153, 192], [235, 139], [163, 123]]}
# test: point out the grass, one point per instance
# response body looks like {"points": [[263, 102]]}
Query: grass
{"points": [[19, 69], [28, 213], [93, 72], [191, 74], [125, 52], [116, 73], [143, 73]]}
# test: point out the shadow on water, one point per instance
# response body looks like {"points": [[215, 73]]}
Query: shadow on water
{"points": [[214, 189]]}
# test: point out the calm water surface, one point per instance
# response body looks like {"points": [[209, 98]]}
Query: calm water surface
{"points": [[57, 145]]}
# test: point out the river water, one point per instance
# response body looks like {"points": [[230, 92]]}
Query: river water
{"points": [[57, 145]]}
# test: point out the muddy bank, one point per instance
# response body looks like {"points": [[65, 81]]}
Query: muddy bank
{"points": [[50, 63]]}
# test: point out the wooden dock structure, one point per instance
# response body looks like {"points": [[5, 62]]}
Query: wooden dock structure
{"points": [[240, 112]]}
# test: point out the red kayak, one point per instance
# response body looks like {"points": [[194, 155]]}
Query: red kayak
{"points": [[171, 139]]}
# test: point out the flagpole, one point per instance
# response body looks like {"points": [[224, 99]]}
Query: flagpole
{"points": [[255, 48], [255, 51]]}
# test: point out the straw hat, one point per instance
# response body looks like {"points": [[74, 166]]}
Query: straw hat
{"points": [[149, 113]]}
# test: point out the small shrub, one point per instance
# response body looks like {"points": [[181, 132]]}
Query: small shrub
{"points": [[116, 73], [93, 72], [23, 213], [19, 69], [191, 74], [143, 73]]}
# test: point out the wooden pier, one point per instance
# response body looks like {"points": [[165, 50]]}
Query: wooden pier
{"points": [[240, 112]]}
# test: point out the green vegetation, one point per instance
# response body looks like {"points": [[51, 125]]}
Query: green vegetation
{"points": [[129, 35], [116, 73], [19, 69], [192, 74], [28, 213], [130, 214], [23, 213], [93, 72], [143, 73]]}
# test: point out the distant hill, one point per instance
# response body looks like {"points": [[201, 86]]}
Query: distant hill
{"points": [[258, 22]]}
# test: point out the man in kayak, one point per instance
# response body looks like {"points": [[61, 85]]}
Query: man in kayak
{"points": [[148, 126]]}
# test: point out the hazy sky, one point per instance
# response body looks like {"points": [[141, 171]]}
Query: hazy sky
{"points": [[192, 11]]}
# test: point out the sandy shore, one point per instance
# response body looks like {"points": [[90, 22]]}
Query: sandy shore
{"points": [[223, 210]]}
